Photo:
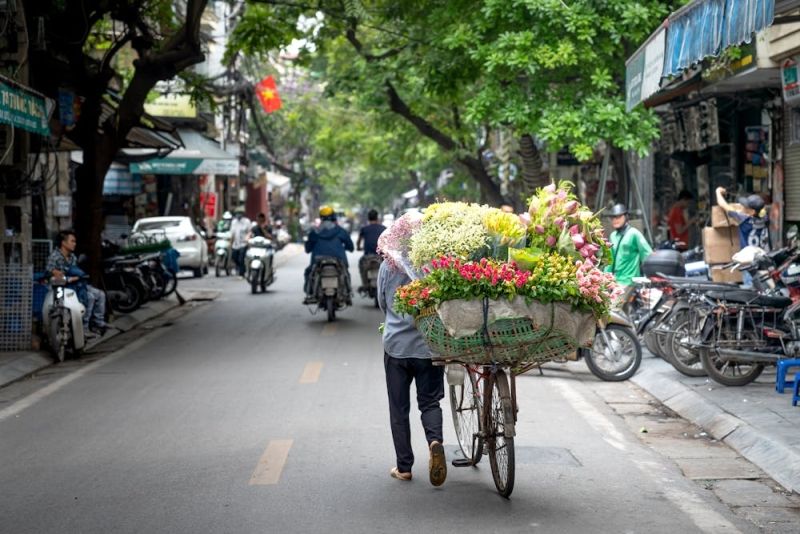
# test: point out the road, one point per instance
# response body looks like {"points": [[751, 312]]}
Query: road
{"points": [[249, 414]]}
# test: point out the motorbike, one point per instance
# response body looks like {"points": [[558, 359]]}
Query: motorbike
{"points": [[222, 254], [737, 332], [123, 280], [616, 353], [62, 317], [370, 265], [259, 260], [328, 284]]}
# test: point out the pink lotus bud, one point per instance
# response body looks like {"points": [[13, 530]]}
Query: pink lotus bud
{"points": [[562, 195], [525, 219], [560, 222], [534, 205], [570, 207], [550, 188], [539, 229], [574, 230], [550, 241], [577, 239]]}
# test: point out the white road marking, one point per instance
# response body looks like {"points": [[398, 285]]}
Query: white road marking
{"points": [[48, 390], [311, 373], [270, 466], [706, 519]]}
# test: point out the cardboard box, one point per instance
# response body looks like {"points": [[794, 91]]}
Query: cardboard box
{"points": [[720, 244], [718, 274], [720, 219]]}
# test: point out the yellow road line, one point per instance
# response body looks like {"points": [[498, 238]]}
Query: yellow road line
{"points": [[270, 466], [329, 329], [311, 373]]}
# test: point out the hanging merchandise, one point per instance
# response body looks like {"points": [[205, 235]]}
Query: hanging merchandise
{"points": [[756, 167]]}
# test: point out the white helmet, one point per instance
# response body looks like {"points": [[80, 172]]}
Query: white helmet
{"points": [[227, 216]]}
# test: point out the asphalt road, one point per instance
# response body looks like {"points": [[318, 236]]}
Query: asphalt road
{"points": [[249, 414]]}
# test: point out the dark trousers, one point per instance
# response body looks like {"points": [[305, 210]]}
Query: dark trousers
{"points": [[238, 259], [400, 372]]}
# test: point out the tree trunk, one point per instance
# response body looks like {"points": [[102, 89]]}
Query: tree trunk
{"points": [[533, 174]]}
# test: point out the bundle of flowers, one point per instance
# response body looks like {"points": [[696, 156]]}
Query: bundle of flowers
{"points": [[526, 281], [551, 278], [394, 244]]}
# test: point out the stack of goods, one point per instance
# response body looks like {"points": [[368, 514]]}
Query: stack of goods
{"points": [[720, 243], [491, 286]]}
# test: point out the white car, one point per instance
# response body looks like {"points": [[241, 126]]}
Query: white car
{"points": [[185, 237]]}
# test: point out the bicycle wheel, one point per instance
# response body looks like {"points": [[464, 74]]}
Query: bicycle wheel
{"points": [[499, 431], [465, 404]]}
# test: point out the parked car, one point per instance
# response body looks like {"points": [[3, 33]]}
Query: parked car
{"points": [[186, 238]]}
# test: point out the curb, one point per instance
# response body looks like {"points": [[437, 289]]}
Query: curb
{"points": [[781, 462]]}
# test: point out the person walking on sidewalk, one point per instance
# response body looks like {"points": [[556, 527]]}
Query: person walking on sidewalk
{"points": [[628, 245], [240, 229], [63, 264], [407, 359]]}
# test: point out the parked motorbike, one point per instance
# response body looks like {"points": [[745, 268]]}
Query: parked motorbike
{"points": [[328, 284], [615, 354], [62, 317], [738, 332], [222, 254], [369, 266], [259, 257]]}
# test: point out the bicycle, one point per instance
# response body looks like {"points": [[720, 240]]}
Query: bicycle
{"points": [[484, 409]]}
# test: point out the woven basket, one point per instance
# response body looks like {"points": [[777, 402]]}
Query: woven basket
{"points": [[510, 341]]}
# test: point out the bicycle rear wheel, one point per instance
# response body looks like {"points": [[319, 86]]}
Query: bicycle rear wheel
{"points": [[465, 404], [499, 431]]}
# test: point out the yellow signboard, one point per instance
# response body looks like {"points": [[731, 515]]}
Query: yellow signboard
{"points": [[172, 105]]}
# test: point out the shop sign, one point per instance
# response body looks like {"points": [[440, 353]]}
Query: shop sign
{"points": [[209, 203], [644, 69], [186, 166], [22, 108], [790, 80], [172, 105]]}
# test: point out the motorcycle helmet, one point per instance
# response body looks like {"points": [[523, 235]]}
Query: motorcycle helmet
{"points": [[326, 213], [618, 209], [227, 216]]}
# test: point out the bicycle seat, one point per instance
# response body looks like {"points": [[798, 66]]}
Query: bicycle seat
{"points": [[741, 296]]}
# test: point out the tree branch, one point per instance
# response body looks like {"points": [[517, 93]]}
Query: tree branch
{"points": [[398, 105], [358, 45]]}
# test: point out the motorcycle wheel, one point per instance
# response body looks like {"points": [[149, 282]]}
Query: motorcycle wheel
{"points": [[218, 266], [170, 282], [159, 285], [57, 341], [729, 373], [135, 294], [683, 359], [254, 276], [331, 306], [619, 360]]}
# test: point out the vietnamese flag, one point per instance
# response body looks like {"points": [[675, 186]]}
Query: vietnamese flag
{"points": [[267, 93]]}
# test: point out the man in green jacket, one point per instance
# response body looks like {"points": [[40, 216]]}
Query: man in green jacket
{"points": [[629, 247]]}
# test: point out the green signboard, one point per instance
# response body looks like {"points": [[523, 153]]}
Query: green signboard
{"points": [[174, 165], [22, 108]]}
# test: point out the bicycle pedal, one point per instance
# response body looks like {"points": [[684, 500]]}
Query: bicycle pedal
{"points": [[462, 462]]}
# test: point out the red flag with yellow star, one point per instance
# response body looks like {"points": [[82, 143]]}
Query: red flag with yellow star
{"points": [[267, 93]]}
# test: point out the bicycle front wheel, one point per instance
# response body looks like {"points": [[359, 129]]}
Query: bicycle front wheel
{"points": [[499, 432], [465, 404]]}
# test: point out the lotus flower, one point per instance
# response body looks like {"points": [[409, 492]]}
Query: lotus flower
{"points": [[525, 219], [577, 240], [574, 230], [570, 207], [539, 229], [550, 241], [560, 222], [550, 188]]}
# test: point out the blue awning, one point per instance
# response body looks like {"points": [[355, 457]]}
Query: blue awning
{"points": [[707, 27]]}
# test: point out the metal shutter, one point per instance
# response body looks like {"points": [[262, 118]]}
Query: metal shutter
{"points": [[791, 165]]}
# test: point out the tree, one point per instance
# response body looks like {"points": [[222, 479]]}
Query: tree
{"points": [[83, 39], [546, 69]]}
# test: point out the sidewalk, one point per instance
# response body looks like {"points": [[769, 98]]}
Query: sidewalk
{"points": [[755, 420], [17, 365]]}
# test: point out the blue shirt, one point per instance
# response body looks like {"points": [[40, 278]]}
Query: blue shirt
{"points": [[329, 240], [370, 234], [401, 339], [753, 231]]}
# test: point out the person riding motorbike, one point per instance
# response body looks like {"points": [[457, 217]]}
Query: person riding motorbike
{"points": [[368, 241], [62, 263], [240, 228], [262, 228], [224, 225], [329, 240]]}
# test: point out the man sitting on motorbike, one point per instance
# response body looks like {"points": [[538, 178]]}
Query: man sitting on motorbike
{"points": [[329, 240], [368, 240], [261, 228], [63, 264]]}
